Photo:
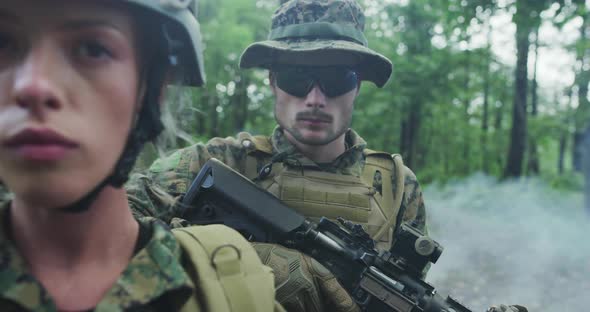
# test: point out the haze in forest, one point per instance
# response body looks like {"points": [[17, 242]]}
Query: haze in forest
{"points": [[510, 242]]}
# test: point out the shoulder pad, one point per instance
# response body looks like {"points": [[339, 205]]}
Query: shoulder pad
{"points": [[167, 163], [258, 143], [370, 152]]}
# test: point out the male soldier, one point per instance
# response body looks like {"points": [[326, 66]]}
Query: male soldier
{"points": [[317, 56]]}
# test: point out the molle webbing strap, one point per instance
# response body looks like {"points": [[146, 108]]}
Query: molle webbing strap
{"points": [[319, 30], [228, 273], [392, 169]]}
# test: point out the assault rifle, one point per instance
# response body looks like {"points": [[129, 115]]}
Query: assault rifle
{"points": [[378, 281]]}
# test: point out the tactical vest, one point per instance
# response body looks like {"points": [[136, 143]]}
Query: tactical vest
{"points": [[226, 270], [317, 194]]}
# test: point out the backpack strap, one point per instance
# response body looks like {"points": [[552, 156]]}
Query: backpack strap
{"points": [[391, 167], [227, 271]]}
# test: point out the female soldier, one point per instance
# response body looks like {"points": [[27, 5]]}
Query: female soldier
{"points": [[80, 89]]}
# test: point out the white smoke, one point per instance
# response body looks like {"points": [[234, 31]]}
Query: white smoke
{"points": [[511, 242]]}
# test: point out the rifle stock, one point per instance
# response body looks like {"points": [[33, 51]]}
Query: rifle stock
{"points": [[378, 281]]}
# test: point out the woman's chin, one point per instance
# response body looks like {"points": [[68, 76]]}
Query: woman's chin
{"points": [[49, 197]]}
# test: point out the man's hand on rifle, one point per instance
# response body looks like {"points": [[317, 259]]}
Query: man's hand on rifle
{"points": [[302, 283]]}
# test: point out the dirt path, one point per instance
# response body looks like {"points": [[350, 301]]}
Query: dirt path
{"points": [[515, 242]]}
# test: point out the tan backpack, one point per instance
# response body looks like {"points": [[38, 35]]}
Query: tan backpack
{"points": [[226, 270]]}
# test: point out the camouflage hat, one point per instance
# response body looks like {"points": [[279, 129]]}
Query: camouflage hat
{"points": [[319, 32]]}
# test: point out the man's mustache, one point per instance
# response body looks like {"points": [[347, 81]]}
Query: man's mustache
{"points": [[315, 115]]}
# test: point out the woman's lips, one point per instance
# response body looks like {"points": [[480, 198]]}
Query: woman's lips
{"points": [[40, 144]]}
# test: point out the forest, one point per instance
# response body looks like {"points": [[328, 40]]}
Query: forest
{"points": [[498, 87]]}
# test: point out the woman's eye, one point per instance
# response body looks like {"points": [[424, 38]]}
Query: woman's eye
{"points": [[93, 50]]}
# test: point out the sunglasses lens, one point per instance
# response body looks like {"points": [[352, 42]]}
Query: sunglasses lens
{"points": [[333, 81], [294, 81], [337, 81]]}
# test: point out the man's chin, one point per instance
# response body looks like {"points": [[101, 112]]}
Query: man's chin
{"points": [[315, 139], [312, 137]]}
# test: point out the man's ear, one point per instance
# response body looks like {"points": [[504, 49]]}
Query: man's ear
{"points": [[358, 83], [272, 83]]}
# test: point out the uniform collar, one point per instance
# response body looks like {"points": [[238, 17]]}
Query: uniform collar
{"points": [[350, 162], [155, 271]]}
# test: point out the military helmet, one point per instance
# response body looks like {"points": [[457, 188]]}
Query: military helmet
{"points": [[182, 32], [178, 39], [179, 42], [319, 33]]}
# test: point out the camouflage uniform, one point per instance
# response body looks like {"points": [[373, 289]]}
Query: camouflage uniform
{"points": [[154, 279], [175, 173]]}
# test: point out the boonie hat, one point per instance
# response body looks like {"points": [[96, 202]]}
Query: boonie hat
{"points": [[319, 33]]}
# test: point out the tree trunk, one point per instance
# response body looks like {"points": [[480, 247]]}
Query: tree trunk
{"points": [[563, 138], [486, 95], [533, 159], [583, 109], [519, 115], [466, 102], [411, 121], [213, 117], [201, 121], [239, 104], [409, 134], [498, 120], [586, 167], [561, 157]]}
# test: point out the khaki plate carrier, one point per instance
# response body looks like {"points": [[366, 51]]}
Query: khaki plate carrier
{"points": [[316, 193]]}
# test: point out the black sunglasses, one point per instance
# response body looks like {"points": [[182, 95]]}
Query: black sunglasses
{"points": [[299, 80]]}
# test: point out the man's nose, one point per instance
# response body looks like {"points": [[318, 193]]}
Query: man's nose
{"points": [[315, 97], [35, 81]]}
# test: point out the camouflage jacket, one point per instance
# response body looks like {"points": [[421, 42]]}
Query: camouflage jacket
{"points": [[175, 173], [154, 280]]}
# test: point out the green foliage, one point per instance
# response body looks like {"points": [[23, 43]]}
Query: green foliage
{"points": [[571, 181]]}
